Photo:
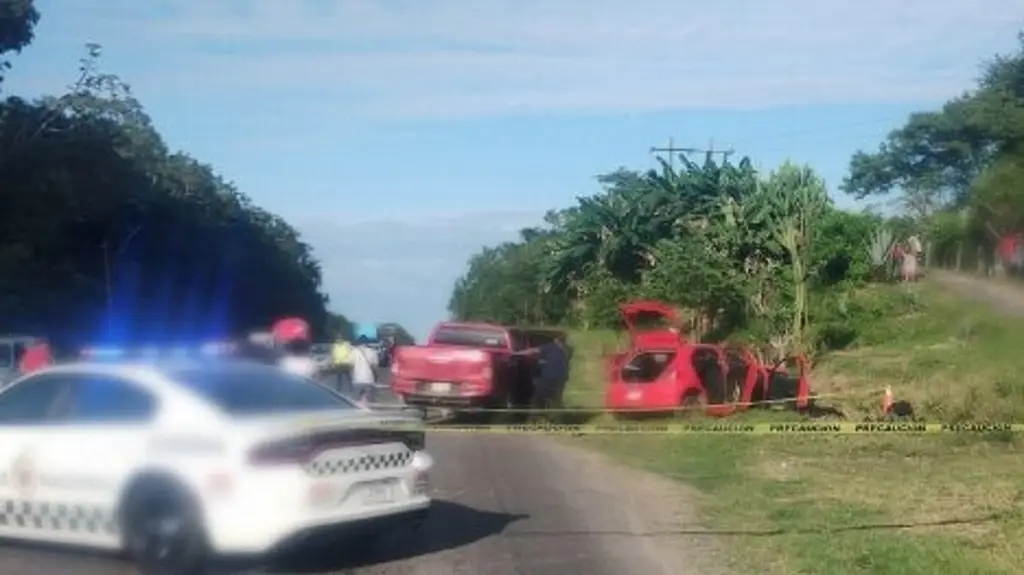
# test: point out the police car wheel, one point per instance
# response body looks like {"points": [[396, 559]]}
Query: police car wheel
{"points": [[164, 534]]}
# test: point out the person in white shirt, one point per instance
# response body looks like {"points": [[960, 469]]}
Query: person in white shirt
{"points": [[910, 259], [297, 359], [364, 370], [298, 365], [291, 337]]}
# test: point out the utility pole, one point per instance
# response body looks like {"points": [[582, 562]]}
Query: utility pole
{"points": [[107, 282], [672, 150], [709, 153], [107, 273]]}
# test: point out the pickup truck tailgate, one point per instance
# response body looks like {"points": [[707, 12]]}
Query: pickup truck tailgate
{"points": [[426, 366]]}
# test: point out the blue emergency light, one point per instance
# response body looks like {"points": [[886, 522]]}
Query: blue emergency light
{"points": [[108, 353], [102, 352]]}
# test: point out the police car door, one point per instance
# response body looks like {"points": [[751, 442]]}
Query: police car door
{"points": [[103, 436], [27, 509]]}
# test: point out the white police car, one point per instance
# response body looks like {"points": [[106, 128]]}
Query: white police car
{"points": [[173, 461]]}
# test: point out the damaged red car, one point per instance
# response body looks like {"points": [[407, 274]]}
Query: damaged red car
{"points": [[663, 371]]}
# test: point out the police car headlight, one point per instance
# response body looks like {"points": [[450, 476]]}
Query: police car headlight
{"points": [[421, 464], [422, 461]]}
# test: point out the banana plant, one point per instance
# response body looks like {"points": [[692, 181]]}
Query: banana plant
{"points": [[789, 204], [880, 249]]}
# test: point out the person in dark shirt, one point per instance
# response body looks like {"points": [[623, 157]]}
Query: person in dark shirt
{"points": [[553, 359]]}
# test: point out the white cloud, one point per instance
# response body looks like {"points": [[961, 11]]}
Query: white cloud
{"points": [[451, 58], [404, 270]]}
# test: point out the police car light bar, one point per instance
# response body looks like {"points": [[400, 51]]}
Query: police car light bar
{"points": [[215, 348], [102, 352], [212, 349]]}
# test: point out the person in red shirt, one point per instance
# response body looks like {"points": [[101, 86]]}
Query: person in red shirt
{"points": [[36, 356], [897, 252]]}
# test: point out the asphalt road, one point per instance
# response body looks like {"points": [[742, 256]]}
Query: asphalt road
{"points": [[504, 505]]}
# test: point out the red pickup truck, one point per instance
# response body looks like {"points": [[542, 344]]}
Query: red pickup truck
{"points": [[468, 365]]}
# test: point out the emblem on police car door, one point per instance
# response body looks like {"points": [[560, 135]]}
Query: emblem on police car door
{"points": [[24, 477]]}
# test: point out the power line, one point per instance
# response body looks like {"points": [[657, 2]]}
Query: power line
{"points": [[828, 133], [709, 152]]}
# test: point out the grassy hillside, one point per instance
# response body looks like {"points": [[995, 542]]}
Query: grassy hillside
{"points": [[868, 504]]}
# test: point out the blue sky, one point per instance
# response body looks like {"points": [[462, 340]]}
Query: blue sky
{"points": [[399, 137]]}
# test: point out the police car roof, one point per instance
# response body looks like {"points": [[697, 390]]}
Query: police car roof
{"points": [[175, 367], [170, 361]]}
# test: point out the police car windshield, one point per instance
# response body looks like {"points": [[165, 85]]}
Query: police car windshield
{"points": [[256, 390]]}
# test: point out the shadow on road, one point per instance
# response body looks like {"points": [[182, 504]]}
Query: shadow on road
{"points": [[450, 525]]}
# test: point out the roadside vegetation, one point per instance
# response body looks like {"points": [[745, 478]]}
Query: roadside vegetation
{"points": [[106, 231], [767, 258], [896, 505]]}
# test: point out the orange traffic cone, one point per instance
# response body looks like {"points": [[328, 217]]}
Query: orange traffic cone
{"points": [[887, 400]]}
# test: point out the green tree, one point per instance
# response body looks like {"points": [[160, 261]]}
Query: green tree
{"points": [[954, 170], [504, 284], [768, 257], [18, 19], [945, 150], [735, 253], [997, 196], [107, 234]]}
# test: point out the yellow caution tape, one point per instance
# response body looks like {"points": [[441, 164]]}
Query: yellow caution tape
{"points": [[816, 428], [600, 409]]}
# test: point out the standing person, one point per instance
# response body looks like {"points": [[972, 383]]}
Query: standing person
{"points": [[364, 370], [387, 351], [908, 267], [292, 336], [914, 250], [553, 360], [35, 356], [896, 267], [1017, 255], [341, 364], [561, 374], [297, 358]]}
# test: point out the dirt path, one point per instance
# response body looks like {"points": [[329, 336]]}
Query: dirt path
{"points": [[506, 505], [1009, 299]]}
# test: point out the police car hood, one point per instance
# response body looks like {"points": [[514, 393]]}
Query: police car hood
{"points": [[303, 423]]}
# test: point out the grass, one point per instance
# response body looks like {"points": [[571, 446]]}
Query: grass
{"points": [[882, 505]]}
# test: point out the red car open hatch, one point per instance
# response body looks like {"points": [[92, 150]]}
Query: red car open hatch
{"points": [[638, 317]]}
